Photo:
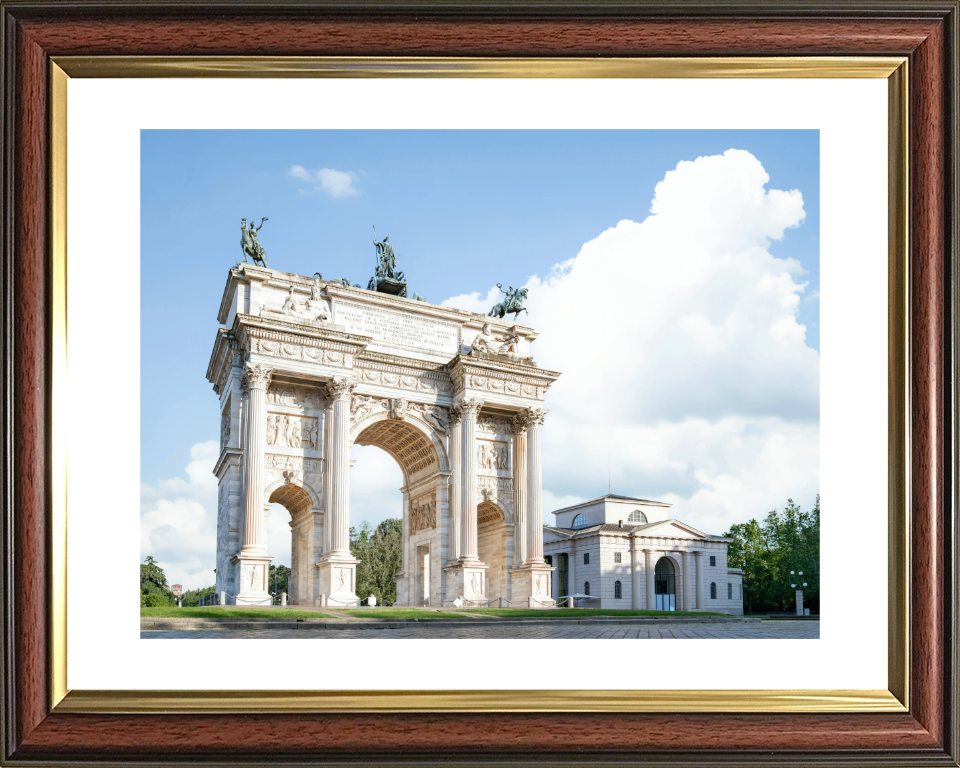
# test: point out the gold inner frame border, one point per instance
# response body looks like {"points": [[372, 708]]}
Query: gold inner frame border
{"points": [[895, 699]]}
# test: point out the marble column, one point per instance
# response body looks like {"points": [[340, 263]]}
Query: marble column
{"points": [[339, 391], [637, 577], [534, 420], [256, 378], [651, 586], [327, 473], [698, 555], [572, 571], [520, 490], [456, 491], [468, 479], [687, 581]]}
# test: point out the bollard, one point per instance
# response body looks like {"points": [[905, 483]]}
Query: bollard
{"points": [[283, 599], [223, 598]]}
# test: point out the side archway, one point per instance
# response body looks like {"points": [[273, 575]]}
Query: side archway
{"points": [[303, 504], [493, 536]]}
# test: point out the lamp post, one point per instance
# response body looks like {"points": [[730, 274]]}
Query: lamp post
{"points": [[797, 577]]}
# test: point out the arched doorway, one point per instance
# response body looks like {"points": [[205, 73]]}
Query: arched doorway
{"points": [[492, 549], [421, 455], [305, 538], [665, 585]]}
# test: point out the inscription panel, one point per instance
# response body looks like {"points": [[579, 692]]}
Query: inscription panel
{"points": [[398, 328]]}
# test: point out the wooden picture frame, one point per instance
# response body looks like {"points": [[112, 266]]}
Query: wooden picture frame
{"points": [[914, 721]]}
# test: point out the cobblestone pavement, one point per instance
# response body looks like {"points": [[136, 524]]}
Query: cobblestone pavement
{"points": [[764, 630]]}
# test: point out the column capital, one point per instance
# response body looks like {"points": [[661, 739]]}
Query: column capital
{"points": [[257, 376], [533, 417], [518, 424], [467, 409], [340, 388]]}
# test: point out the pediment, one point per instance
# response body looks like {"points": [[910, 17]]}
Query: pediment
{"points": [[673, 529]]}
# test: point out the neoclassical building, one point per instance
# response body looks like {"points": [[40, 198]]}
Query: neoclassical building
{"points": [[304, 368], [628, 553]]}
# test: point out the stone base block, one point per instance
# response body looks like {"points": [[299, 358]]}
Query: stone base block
{"points": [[252, 573], [531, 584], [338, 581], [468, 581]]}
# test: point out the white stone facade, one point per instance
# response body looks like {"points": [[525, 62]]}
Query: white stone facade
{"points": [[305, 368], [610, 548]]}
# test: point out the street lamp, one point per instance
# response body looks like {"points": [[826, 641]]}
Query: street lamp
{"points": [[797, 577]]}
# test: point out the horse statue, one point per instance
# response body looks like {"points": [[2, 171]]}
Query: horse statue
{"points": [[249, 243], [512, 303]]}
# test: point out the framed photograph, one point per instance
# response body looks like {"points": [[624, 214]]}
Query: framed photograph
{"points": [[638, 272]]}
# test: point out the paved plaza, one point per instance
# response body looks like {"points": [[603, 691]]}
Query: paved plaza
{"points": [[763, 630]]}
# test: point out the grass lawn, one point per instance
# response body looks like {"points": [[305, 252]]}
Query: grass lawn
{"points": [[556, 613], [511, 613], [218, 612], [388, 614]]}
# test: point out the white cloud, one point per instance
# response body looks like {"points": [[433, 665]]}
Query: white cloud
{"points": [[328, 180], [473, 302], [686, 376], [178, 520]]}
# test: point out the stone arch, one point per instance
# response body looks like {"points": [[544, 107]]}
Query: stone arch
{"points": [[294, 495], [490, 511], [414, 445], [492, 546], [299, 499]]}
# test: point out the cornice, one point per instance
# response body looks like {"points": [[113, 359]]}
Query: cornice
{"points": [[297, 333]]}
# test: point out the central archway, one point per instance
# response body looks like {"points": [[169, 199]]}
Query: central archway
{"points": [[420, 452]]}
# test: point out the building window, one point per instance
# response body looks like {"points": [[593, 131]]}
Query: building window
{"points": [[617, 590], [729, 591], [586, 558], [579, 521], [586, 587], [637, 517], [713, 590], [713, 560], [616, 557]]}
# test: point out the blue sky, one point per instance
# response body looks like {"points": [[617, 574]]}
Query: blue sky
{"points": [[464, 210], [678, 329]]}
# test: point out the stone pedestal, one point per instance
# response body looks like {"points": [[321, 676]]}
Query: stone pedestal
{"points": [[338, 581], [469, 581], [531, 583], [252, 571]]}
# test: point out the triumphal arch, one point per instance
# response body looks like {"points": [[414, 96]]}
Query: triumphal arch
{"points": [[305, 367]]}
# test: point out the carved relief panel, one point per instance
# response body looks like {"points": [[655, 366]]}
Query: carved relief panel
{"points": [[423, 514], [301, 397], [292, 431], [225, 427], [492, 455]]}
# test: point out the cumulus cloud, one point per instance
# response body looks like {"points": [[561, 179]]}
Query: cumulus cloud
{"points": [[327, 180], [686, 376], [178, 520]]}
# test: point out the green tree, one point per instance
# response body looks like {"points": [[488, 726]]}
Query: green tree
{"points": [[192, 597], [279, 581], [153, 581], [767, 552], [379, 552]]}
